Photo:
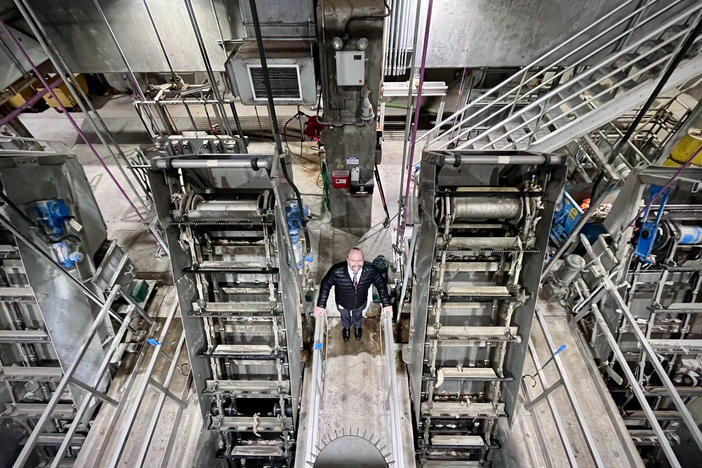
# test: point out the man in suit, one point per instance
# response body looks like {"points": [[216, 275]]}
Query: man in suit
{"points": [[352, 279]]}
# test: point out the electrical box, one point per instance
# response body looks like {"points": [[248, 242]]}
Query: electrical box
{"points": [[350, 68], [340, 179]]}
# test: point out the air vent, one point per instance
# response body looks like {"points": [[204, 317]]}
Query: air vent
{"points": [[285, 82]]}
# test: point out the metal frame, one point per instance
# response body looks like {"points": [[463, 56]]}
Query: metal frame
{"points": [[525, 128], [523, 260]]}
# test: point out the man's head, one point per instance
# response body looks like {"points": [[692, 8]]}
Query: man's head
{"points": [[355, 259]]}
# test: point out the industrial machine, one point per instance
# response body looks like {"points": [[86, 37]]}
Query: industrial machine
{"points": [[483, 226], [52, 236], [238, 261], [634, 291]]}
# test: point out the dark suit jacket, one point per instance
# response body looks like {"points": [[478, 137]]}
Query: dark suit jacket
{"points": [[346, 295]]}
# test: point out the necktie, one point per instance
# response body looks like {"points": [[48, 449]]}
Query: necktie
{"points": [[355, 281]]}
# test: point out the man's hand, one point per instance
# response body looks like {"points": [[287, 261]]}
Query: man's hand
{"points": [[318, 311], [388, 309]]}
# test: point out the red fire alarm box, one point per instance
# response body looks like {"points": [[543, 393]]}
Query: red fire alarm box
{"points": [[340, 179]]}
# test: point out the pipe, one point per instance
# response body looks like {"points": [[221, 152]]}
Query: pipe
{"points": [[29, 103], [422, 68], [274, 121], [73, 122], [501, 160], [408, 115], [219, 107], [133, 79], [174, 77]]}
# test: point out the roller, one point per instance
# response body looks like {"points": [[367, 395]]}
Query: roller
{"points": [[238, 209], [481, 208]]}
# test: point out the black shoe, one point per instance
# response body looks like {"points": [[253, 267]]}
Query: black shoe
{"points": [[359, 333], [346, 333]]}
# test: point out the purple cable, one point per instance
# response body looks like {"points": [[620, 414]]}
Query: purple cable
{"points": [[29, 103], [416, 116], [73, 122]]}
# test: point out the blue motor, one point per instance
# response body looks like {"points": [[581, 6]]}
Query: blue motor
{"points": [[292, 216], [53, 215]]}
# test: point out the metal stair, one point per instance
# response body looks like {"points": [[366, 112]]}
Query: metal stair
{"points": [[543, 108]]}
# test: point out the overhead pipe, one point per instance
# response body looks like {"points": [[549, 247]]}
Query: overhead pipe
{"points": [[408, 114], [274, 121]]}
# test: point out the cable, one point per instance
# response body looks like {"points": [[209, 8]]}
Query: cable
{"points": [[689, 40], [274, 122]]}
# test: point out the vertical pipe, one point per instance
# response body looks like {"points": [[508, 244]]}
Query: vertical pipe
{"points": [[416, 116], [135, 83], [408, 115], [274, 120], [174, 78], [219, 108]]}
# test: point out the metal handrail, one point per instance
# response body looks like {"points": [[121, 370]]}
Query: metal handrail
{"points": [[394, 406], [536, 62], [24, 455], [544, 99], [561, 73], [317, 385], [579, 91]]}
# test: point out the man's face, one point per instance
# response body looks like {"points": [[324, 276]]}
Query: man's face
{"points": [[355, 260]]}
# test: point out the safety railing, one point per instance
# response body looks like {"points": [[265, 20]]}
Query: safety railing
{"points": [[319, 355], [558, 83], [93, 388], [392, 395], [588, 305]]}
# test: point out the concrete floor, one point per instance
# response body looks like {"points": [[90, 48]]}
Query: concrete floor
{"points": [[330, 246]]}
